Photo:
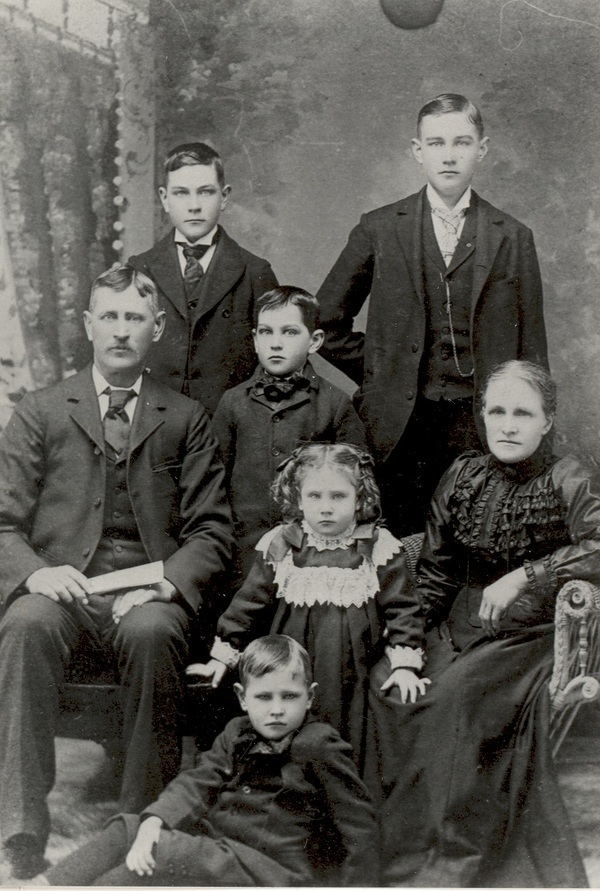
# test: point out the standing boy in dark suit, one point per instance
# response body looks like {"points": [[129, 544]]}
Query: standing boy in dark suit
{"points": [[107, 470], [207, 283], [455, 289]]}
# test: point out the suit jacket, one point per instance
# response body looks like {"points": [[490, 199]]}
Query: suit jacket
{"points": [[52, 485], [383, 259], [256, 435], [218, 336]]}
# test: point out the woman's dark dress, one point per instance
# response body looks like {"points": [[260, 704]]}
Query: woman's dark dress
{"points": [[468, 793]]}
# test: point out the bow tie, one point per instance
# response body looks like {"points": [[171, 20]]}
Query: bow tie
{"points": [[276, 390]]}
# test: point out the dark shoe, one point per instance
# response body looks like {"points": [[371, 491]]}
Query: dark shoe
{"points": [[25, 855]]}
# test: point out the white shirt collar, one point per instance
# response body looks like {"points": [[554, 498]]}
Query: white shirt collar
{"points": [[100, 383], [435, 201], [180, 239]]}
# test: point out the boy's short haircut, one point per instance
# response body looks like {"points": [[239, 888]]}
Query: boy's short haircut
{"points": [[190, 153], [449, 102], [120, 278], [266, 654], [288, 294]]}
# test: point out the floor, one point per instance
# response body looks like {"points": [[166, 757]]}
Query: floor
{"points": [[79, 804]]}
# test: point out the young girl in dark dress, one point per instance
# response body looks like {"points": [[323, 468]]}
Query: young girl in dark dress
{"points": [[468, 792], [336, 581]]}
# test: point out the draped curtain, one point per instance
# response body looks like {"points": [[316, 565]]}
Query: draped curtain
{"points": [[57, 138]]}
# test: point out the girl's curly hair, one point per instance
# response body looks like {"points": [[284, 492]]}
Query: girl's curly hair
{"points": [[355, 462]]}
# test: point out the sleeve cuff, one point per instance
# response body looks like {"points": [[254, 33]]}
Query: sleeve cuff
{"points": [[541, 576], [405, 657], [225, 653]]}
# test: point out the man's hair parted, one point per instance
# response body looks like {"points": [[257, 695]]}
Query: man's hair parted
{"points": [[120, 278]]}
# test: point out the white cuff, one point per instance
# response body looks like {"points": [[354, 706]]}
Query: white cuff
{"points": [[225, 653], [405, 657]]}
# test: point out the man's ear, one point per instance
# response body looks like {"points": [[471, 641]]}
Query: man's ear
{"points": [[87, 321], [416, 150], [159, 325], [162, 194], [239, 692], [225, 193], [484, 145], [316, 341]]}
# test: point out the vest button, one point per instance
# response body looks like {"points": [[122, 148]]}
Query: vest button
{"points": [[97, 451], [410, 395], [118, 549], [225, 313], [97, 502], [275, 452], [246, 790], [276, 419], [415, 347], [445, 330], [116, 514], [86, 552]]}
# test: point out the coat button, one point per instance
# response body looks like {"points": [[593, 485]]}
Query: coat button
{"points": [[225, 313], [276, 419], [246, 790], [118, 549], [410, 395], [97, 451], [86, 552], [445, 330], [276, 452], [415, 347], [97, 502]]}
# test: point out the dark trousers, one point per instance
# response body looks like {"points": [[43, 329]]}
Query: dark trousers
{"points": [[149, 648], [436, 434], [182, 859]]}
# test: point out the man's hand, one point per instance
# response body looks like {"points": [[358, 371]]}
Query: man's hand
{"points": [[140, 858], [213, 671], [163, 592], [409, 684], [498, 597], [59, 583]]}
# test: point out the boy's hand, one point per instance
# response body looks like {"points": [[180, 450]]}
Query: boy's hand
{"points": [[213, 671], [140, 859], [409, 684]]}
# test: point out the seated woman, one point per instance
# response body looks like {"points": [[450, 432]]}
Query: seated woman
{"points": [[468, 793]]}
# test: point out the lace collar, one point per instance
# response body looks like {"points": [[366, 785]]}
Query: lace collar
{"points": [[323, 543]]}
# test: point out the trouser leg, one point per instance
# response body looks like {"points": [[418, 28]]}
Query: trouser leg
{"points": [[151, 645], [101, 854], [36, 639]]}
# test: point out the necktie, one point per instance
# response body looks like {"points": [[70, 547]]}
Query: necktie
{"points": [[451, 221], [116, 420], [193, 271]]}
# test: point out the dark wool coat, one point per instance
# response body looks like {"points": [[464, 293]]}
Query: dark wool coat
{"points": [[218, 337], [273, 809], [53, 478], [256, 435], [383, 259]]}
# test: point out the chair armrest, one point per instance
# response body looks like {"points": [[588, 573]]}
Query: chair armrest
{"points": [[576, 645]]}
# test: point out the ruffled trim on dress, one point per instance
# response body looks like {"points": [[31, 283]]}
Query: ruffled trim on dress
{"points": [[522, 504], [334, 585]]}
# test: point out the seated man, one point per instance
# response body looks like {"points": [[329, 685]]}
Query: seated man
{"points": [[106, 470]]}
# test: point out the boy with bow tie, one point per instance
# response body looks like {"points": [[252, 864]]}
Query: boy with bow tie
{"points": [[455, 289], [284, 403], [207, 283]]}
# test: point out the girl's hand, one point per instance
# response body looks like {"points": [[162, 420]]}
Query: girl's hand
{"points": [[213, 671], [140, 859], [498, 597], [409, 684]]}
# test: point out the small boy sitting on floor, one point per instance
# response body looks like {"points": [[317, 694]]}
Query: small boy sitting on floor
{"points": [[257, 804]]}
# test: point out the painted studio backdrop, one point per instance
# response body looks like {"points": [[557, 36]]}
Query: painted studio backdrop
{"points": [[312, 103]]}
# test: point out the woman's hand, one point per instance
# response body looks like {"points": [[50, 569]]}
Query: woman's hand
{"points": [[409, 684], [213, 671], [140, 858], [498, 597]]}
